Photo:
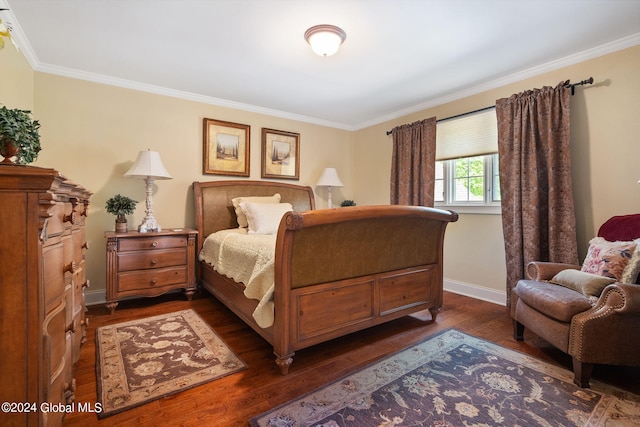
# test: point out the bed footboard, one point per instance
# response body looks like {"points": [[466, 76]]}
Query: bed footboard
{"points": [[342, 270]]}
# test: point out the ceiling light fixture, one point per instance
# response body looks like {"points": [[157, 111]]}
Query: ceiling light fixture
{"points": [[325, 40]]}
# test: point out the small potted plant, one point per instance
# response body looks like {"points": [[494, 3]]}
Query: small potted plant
{"points": [[120, 206], [19, 136], [347, 203]]}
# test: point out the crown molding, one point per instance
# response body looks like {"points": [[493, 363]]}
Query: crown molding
{"points": [[189, 96], [586, 55], [21, 40]]}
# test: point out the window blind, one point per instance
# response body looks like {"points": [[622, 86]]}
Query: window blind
{"points": [[473, 134]]}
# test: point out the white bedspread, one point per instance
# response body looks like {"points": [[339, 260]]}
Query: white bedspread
{"points": [[247, 259]]}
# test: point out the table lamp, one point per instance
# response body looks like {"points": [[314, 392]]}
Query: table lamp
{"points": [[329, 179], [148, 166]]}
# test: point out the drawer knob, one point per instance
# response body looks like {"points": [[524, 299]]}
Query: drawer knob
{"points": [[73, 327], [71, 268], [70, 391], [86, 284], [155, 243], [69, 218], [85, 245], [154, 281], [154, 261]]}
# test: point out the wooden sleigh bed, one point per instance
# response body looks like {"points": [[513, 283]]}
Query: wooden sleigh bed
{"points": [[336, 271]]}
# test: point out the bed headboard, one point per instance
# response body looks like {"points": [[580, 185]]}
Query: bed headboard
{"points": [[214, 210]]}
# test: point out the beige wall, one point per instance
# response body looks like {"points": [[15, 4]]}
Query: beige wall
{"points": [[93, 132], [605, 147], [16, 79]]}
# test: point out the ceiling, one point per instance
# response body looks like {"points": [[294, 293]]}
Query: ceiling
{"points": [[400, 56]]}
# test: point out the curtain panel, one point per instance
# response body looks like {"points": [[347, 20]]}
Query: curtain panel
{"points": [[413, 163], [538, 215]]}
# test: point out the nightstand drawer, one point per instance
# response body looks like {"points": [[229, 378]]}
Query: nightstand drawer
{"points": [[145, 280], [151, 259], [152, 242]]}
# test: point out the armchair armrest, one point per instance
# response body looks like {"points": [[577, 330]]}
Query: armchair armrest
{"points": [[620, 297], [601, 334], [539, 270]]}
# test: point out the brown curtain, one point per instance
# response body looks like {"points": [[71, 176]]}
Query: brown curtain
{"points": [[413, 163], [538, 216]]}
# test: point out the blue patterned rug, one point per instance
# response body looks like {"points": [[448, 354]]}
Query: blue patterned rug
{"points": [[454, 379]]}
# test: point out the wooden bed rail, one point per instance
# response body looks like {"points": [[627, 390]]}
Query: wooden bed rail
{"points": [[297, 220]]}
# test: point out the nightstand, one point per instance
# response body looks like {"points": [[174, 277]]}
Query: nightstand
{"points": [[150, 264]]}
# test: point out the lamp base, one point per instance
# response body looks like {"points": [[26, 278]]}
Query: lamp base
{"points": [[149, 224]]}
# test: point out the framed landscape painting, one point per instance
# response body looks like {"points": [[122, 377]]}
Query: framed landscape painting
{"points": [[226, 148], [280, 154]]}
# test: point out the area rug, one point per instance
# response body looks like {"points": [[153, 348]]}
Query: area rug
{"points": [[454, 379], [144, 360]]}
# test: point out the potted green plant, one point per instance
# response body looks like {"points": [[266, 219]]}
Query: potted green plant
{"points": [[347, 203], [120, 206], [19, 136]]}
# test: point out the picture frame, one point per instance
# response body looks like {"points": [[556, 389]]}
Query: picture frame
{"points": [[226, 148], [280, 154]]}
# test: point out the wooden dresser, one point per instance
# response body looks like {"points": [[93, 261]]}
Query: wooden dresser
{"points": [[42, 281], [150, 264]]}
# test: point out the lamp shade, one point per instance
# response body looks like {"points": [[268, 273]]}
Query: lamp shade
{"points": [[329, 178], [148, 164], [325, 40]]}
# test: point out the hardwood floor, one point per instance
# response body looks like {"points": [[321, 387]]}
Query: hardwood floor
{"points": [[233, 400]]}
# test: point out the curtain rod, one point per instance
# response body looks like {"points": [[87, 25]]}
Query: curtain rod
{"points": [[458, 115], [573, 85], [566, 84]]}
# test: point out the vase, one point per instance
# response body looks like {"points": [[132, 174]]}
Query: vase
{"points": [[8, 150], [121, 227]]}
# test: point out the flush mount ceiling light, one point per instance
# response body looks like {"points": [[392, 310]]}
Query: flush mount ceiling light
{"points": [[325, 40]]}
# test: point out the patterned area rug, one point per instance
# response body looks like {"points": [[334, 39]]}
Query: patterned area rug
{"points": [[147, 359], [454, 379]]}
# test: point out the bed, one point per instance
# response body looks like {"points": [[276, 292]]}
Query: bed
{"points": [[335, 271]]}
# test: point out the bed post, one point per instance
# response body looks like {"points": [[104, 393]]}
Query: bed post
{"points": [[282, 347]]}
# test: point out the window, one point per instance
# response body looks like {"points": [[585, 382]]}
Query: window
{"points": [[467, 174]]}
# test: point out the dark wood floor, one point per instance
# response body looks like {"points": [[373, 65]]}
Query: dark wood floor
{"points": [[233, 400]]}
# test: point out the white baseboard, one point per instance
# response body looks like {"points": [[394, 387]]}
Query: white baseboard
{"points": [[95, 297], [475, 291], [467, 289]]}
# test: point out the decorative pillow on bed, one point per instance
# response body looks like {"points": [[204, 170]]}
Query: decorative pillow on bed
{"points": [[585, 283], [264, 218], [242, 219], [618, 260]]}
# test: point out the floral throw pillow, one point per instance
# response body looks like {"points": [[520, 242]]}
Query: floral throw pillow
{"points": [[611, 259]]}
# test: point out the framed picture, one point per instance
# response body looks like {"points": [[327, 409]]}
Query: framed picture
{"points": [[226, 148], [280, 154]]}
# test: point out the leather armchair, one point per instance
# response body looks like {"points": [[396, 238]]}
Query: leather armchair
{"points": [[606, 331]]}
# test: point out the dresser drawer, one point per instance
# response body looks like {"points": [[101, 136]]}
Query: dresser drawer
{"points": [[152, 242], [53, 273], [152, 279], [55, 222], [151, 259]]}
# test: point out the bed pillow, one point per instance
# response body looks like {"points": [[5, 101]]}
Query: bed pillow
{"points": [[612, 259], [264, 218], [588, 284], [240, 216]]}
